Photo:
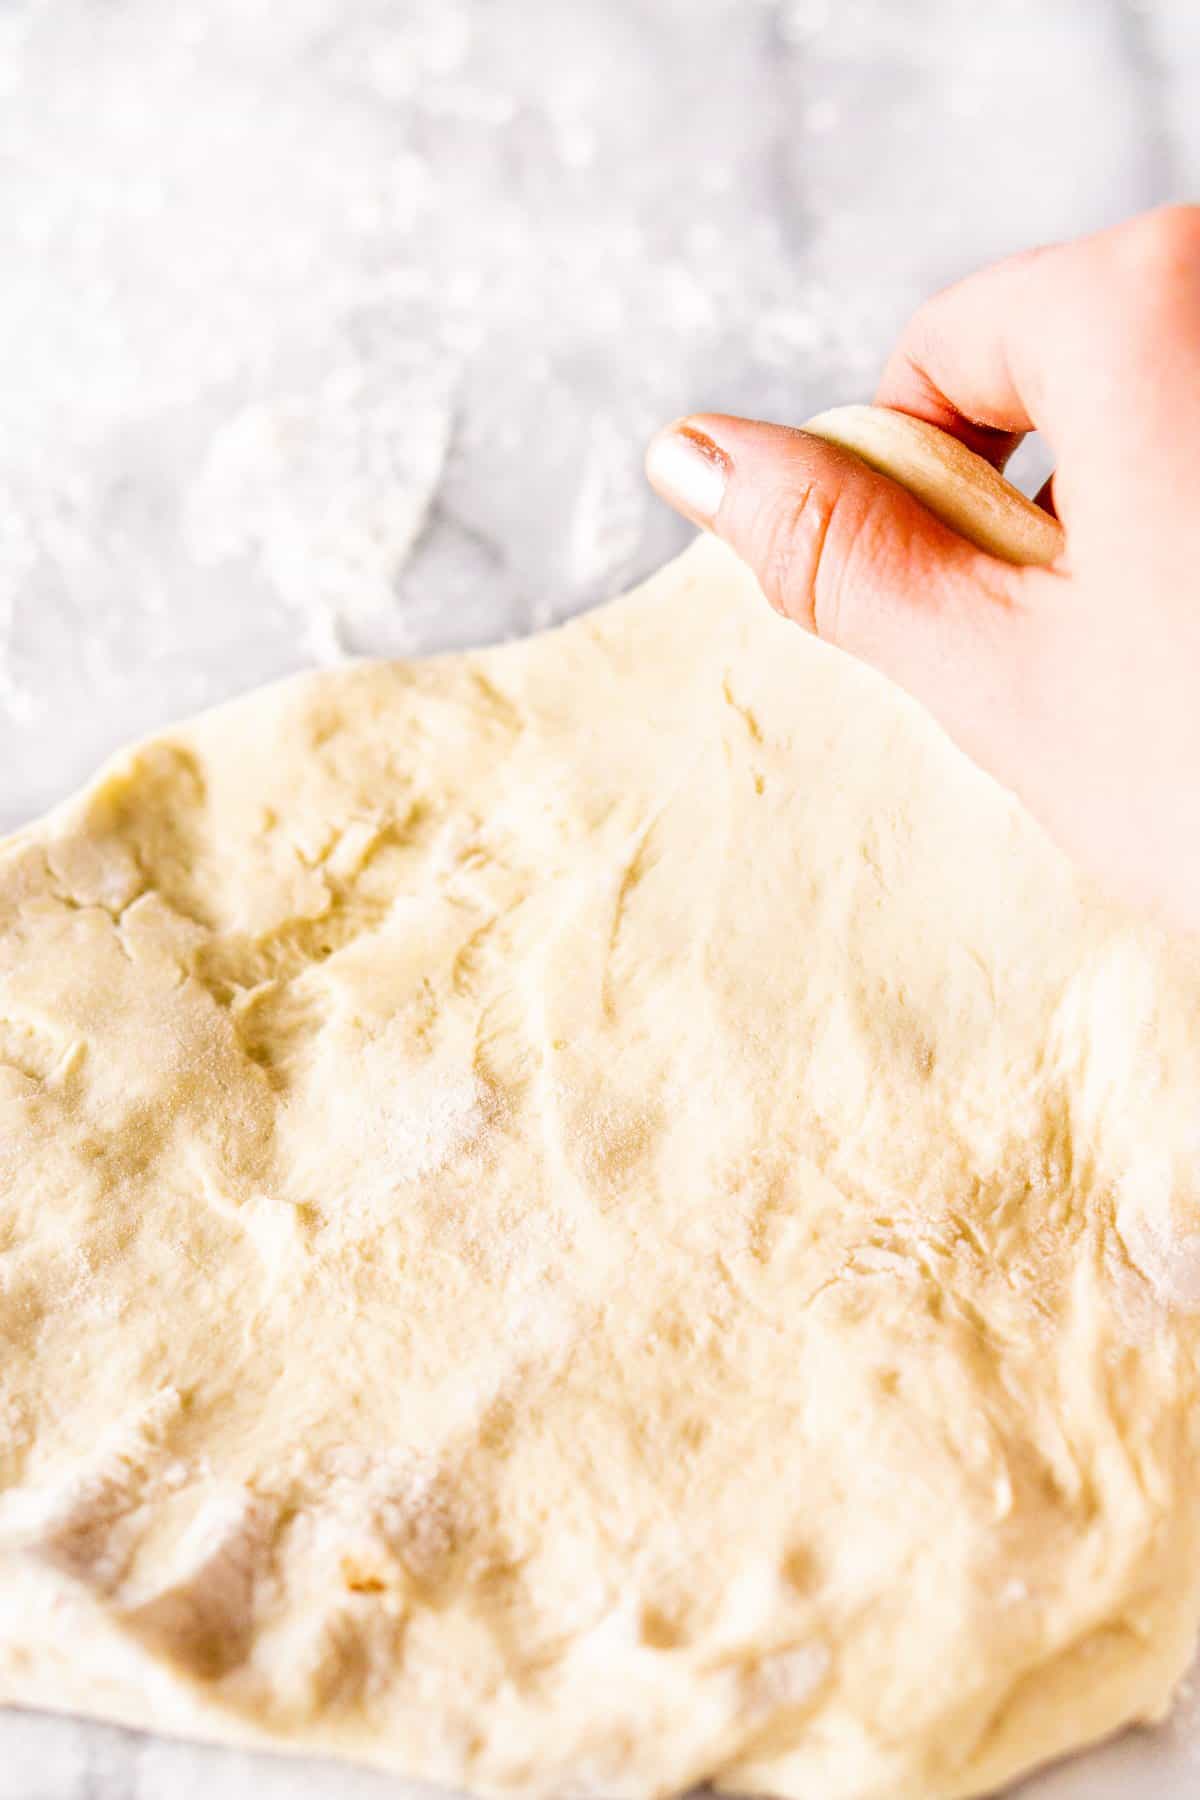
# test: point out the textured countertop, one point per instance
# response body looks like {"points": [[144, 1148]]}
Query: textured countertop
{"points": [[337, 327]]}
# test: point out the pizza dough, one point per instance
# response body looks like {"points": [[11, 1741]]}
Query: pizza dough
{"points": [[589, 1217], [964, 490]]}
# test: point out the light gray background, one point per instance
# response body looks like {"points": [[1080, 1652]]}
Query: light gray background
{"points": [[337, 326]]}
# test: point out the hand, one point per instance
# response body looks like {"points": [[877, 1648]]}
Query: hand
{"points": [[1077, 685]]}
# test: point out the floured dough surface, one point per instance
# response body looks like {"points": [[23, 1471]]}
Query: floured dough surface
{"points": [[589, 1217]]}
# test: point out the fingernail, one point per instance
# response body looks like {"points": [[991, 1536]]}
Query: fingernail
{"points": [[689, 470]]}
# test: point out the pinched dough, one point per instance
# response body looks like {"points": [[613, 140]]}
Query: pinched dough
{"points": [[589, 1217]]}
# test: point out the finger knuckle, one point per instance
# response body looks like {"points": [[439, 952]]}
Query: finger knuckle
{"points": [[864, 547], [793, 552], [787, 536]]}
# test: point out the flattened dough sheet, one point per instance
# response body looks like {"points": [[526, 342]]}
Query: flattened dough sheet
{"points": [[589, 1217]]}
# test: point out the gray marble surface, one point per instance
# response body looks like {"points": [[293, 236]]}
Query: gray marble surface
{"points": [[337, 326]]}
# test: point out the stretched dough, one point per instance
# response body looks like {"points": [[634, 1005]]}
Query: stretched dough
{"points": [[591, 1217], [965, 492]]}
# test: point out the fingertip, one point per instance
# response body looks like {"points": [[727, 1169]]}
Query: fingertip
{"points": [[689, 470]]}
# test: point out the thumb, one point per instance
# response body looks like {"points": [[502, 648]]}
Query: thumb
{"points": [[852, 556]]}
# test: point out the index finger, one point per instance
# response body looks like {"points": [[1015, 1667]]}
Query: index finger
{"points": [[1073, 339]]}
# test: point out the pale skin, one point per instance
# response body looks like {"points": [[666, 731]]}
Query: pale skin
{"points": [[1077, 685]]}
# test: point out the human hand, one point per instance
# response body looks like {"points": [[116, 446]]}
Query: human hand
{"points": [[1076, 684]]}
